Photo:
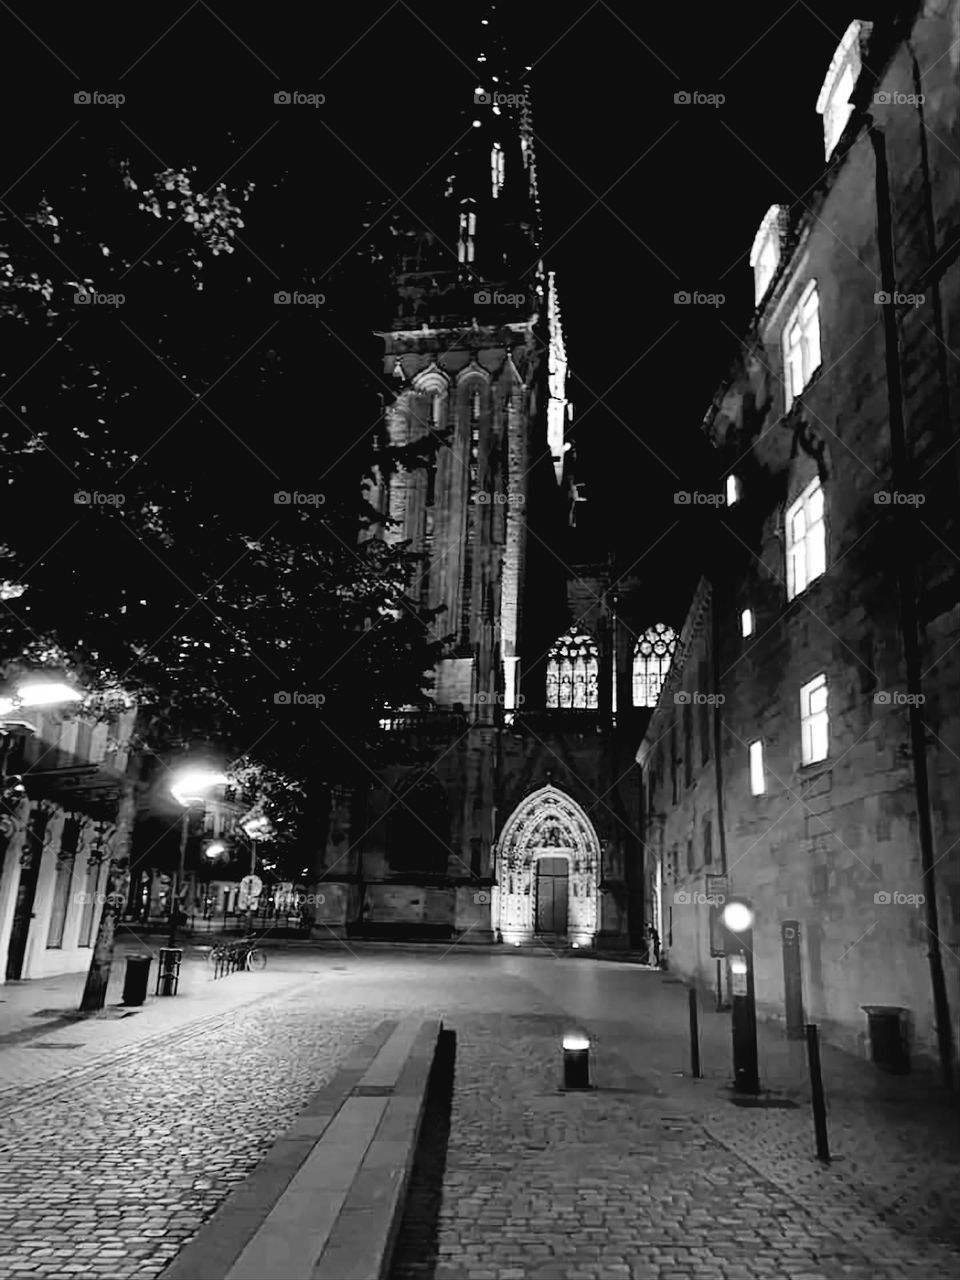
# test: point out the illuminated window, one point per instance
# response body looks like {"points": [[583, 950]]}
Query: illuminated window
{"points": [[765, 254], [806, 540], [651, 662], [814, 721], [733, 491], [468, 230], [758, 783], [844, 71], [748, 623], [496, 169], [572, 670], [801, 343]]}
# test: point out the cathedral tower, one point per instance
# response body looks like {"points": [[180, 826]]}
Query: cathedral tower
{"points": [[503, 822], [476, 355]]}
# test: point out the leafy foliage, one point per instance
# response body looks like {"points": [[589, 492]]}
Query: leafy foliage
{"points": [[159, 409]]}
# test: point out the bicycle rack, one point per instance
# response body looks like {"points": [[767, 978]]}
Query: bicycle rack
{"points": [[229, 959]]}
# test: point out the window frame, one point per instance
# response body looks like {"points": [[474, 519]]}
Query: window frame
{"points": [[642, 672], [811, 722], [574, 651], [757, 767], [793, 548], [799, 318]]}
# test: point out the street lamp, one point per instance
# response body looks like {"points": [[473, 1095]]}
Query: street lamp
{"points": [[190, 788], [27, 695], [39, 693], [738, 918]]}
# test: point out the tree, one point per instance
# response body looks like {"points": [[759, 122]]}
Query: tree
{"points": [[155, 399]]}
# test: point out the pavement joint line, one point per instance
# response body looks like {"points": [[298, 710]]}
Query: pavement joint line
{"points": [[14, 1098]]}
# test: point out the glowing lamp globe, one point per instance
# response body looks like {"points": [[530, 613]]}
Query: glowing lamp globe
{"points": [[737, 916], [192, 785]]}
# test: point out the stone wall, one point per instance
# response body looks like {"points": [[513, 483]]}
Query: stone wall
{"points": [[835, 844]]}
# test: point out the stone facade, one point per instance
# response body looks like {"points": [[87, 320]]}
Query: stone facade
{"points": [[859, 846], [493, 783], [56, 842]]}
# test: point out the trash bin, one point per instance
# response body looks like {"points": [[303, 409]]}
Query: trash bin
{"points": [[889, 1042], [135, 980], [168, 975]]}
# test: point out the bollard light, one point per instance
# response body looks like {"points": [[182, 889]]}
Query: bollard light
{"points": [[576, 1062]]}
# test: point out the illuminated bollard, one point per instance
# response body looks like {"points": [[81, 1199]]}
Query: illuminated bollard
{"points": [[576, 1062]]}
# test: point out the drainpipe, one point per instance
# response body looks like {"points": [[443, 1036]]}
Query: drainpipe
{"points": [[715, 635], [901, 471]]}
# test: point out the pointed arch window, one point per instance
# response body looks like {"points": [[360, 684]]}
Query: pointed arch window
{"points": [[572, 671], [468, 230], [651, 662], [496, 169]]}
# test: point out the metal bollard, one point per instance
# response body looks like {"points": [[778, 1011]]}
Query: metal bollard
{"points": [[816, 1092], [695, 1069], [168, 974]]}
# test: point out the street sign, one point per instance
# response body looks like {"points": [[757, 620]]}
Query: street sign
{"points": [[717, 887], [718, 935], [717, 892], [251, 887], [249, 893]]}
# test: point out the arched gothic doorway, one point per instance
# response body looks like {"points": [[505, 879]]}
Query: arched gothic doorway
{"points": [[546, 829]]}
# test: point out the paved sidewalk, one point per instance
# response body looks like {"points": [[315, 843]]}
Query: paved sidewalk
{"points": [[895, 1141], [107, 1169], [43, 1038]]}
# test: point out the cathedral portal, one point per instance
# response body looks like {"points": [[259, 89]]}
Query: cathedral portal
{"points": [[534, 894]]}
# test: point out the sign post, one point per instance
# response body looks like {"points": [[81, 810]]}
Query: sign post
{"points": [[792, 979], [718, 890]]}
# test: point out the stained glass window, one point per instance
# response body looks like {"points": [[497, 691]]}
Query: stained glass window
{"points": [[651, 662], [572, 671]]}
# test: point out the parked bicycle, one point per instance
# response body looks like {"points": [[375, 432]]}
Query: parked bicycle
{"points": [[253, 958], [228, 957]]}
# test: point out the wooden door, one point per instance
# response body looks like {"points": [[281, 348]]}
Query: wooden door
{"points": [[552, 890]]}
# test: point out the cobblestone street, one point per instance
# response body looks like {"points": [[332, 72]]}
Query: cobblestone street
{"points": [[109, 1168]]}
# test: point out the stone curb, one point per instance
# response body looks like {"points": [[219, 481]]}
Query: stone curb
{"points": [[326, 1201]]}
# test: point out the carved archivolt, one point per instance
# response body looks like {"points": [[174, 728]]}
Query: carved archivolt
{"points": [[548, 823], [431, 381], [471, 372]]}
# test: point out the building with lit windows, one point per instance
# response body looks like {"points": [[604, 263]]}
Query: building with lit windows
{"points": [[806, 741]]}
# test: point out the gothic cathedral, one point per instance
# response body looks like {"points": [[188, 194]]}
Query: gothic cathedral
{"points": [[514, 817]]}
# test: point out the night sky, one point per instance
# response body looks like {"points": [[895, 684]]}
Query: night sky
{"points": [[641, 197]]}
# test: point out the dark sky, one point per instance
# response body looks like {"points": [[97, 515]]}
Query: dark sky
{"points": [[641, 197]]}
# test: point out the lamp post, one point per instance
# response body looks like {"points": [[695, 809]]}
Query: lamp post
{"points": [[738, 918], [190, 788], [256, 826]]}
